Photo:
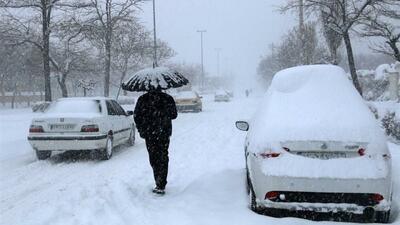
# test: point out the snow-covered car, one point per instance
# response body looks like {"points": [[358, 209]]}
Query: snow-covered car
{"points": [[188, 101], [221, 96], [314, 147], [81, 124]]}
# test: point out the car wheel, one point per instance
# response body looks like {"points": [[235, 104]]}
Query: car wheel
{"points": [[131, 140], [382, 217], [107, 152], [42, 155]]}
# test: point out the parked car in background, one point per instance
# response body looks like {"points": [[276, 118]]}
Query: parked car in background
{"points": [[188, 101], [313, 149], [81, 124], [221, 96]]}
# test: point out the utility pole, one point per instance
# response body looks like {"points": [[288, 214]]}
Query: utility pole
{"points": [[202, 58], [155, 35], [218, 60]]}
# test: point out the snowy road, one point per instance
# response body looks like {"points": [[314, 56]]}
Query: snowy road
{"points": [[206, 179]]}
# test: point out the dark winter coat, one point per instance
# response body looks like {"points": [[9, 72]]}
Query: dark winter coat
{"points": [[153, 114]]}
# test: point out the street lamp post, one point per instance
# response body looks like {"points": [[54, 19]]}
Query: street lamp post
{"points": [[155, 35], [202, 58]]}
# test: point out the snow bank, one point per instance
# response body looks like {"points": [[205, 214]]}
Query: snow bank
{"points": [[313, 103]]}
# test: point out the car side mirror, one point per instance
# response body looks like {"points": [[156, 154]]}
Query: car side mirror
{"points": [[242, 125], [129, 113]]}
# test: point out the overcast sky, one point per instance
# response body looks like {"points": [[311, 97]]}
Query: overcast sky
{"points": [[242, 29]]}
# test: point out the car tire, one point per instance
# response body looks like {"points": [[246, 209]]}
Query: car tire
{"points": [[107, 152], [131, 140], [382, 217], [43, 155]]}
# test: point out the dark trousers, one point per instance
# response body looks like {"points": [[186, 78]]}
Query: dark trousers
{"points": [[158, 156]]}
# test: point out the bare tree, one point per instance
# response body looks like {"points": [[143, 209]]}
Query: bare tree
{"points": [[384, 22], [69, 54], [42, 10], [100, 24], [333, 38], [341, 16], [129, 49], [133, 49], [292, 51]]}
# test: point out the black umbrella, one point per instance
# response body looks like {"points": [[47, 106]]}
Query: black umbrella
{"points": [[159, 78]]}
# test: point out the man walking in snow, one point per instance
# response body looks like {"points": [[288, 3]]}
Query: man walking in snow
{"points": [[153, 116]]}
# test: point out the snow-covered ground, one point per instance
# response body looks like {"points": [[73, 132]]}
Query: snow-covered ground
{"points": [[206, 178]]}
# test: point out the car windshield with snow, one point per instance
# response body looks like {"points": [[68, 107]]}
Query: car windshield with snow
{"points": [[314, 146], [74, 124]]}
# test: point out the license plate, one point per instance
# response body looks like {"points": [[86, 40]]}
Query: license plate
{"points": [[323, 155], [62, 126]]}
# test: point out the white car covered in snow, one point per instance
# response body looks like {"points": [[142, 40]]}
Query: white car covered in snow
{"points": [[221, 96], [81, 124], [315, 148]]}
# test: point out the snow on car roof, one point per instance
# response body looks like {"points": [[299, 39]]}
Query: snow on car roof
{"points": [[313, 103], [186, 94], [84, 98]]}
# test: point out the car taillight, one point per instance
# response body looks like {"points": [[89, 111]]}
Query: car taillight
{"points": [[270, 155], [361, 151], [272, 195], [90, 128], [376, 198], [36, 129]]}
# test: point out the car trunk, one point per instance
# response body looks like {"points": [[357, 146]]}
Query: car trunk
{"points": [[325, 149], [61, 124]]}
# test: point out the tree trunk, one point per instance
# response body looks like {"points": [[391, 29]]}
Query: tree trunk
{"points": [[352, 65], [334, 56], [108, 50], [46, 49], [63, 86], [396, 51], [3, 93], [120, 83], [107, 69], [14, 95]]}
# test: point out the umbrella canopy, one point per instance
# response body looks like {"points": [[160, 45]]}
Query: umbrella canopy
{"points": [[159, 78]]}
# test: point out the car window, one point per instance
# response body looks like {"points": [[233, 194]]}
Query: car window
{"points": [[110, 109], [120, 111]]}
